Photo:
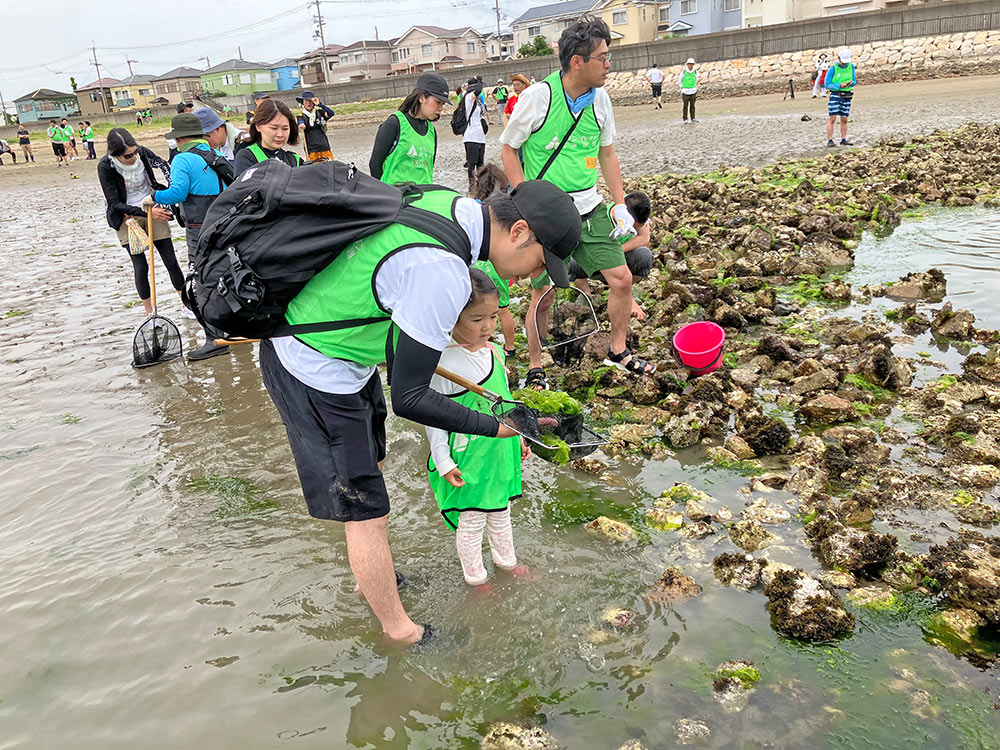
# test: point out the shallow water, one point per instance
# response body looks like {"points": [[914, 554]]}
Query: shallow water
{"points": [[163, 586]]}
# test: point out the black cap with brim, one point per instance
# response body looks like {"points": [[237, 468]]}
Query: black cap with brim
{"points": [[305, 95], [435, 85], [555, 222], [181, 106]]}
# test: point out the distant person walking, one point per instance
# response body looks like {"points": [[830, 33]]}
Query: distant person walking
{"points": [[819, 75], [87, 135], [312, 122], [138, 119], [70, 140], [500, 95], [841, 79], [406, 143], [58, 138], [24, 141], [655, 77], [689, 89], [474, 137]]}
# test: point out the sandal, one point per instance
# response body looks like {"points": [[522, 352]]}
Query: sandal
{"points": [[536, 379], [508, 353], [634, 365]]}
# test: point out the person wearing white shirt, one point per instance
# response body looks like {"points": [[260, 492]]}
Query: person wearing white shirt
{"points": [[565, 128], [655, 77], [474, 137]]}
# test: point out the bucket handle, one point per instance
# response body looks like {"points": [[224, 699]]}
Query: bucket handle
{"points": [[696, 370]]}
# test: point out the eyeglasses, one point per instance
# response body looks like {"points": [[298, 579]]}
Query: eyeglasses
{"points": [[602, 59], [130, 154]]}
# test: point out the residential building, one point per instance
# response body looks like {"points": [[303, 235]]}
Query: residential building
{"points": [[842, 7], [630, 21], [317, 66], [178, 85], [89, 97], [770, 12], [42, 105], [434, 48], [285, 74], [690, 17], [549, 21], [134, 92], [237, 78], [368, 58], [500, 48]]}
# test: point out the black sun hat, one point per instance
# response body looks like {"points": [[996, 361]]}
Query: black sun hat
{"points": [[554, 220]]}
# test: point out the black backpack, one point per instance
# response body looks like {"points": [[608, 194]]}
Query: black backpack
{"points": [[276, 227], [460, 121]]}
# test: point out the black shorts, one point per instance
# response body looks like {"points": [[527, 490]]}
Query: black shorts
{"points": [[337, 441], [59, 149], [657, 88]]}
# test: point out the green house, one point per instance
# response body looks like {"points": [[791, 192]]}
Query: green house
{"points": [[237, 78]]}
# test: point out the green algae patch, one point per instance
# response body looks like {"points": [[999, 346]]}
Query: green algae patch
{"points": [[548, 402], [860, 381], [662, 519], [747, 675], [238, 496], [745, 466], [962, 499]]}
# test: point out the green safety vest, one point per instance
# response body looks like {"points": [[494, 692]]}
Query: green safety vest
{"points": [[842, 74], [57, 134], [67, 133], [87, 134], [491, 467], [503, 288], [501, 93], [575, 168], [259, 155], [689, 78], [412, 158], [344, 291]]}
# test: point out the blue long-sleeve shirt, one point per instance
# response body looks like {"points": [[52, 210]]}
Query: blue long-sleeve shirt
{"points": [[828, 81], [189, 175]]}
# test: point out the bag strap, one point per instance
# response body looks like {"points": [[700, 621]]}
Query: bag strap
{"points": [[559, 148]]}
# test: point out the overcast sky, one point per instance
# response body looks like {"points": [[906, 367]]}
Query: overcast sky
{"points": [[44, 43]]}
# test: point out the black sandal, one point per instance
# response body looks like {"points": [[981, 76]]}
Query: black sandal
{"points": [[508, 353], [634, 365], [536, 379]]}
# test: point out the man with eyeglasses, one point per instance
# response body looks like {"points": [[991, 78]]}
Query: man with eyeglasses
{"points": [[566, 128]]}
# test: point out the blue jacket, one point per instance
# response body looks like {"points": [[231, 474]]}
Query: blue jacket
{"points": [[828, 81], [189, 175]]}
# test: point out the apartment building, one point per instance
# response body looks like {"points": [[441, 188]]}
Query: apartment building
{"points": [[435, 48]]}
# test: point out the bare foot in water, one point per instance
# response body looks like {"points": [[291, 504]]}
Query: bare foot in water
{"points": [[637, 312], [524, 573], [408, 639]]}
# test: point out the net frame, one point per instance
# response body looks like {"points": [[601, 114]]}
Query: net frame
{"points": [[157, 339], [545, 341]]}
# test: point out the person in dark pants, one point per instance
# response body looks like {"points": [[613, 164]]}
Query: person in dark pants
{"points": [[474, 137], [127, 179], [689, 88]]}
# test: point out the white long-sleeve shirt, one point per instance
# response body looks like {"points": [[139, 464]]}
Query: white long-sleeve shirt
{"points": [[474, 366]]}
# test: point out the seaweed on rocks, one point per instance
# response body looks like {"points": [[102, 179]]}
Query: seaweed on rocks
{"points": [[802, 607], [741, 571], [967, 568]]}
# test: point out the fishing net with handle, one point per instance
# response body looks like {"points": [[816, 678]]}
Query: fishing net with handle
{"points": [[157, 339]]}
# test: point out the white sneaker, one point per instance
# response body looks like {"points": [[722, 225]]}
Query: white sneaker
{"points": [[186, 313]]}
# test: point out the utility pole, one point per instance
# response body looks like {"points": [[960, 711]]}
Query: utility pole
{"points": [[100, 81], [129, 63], [496, 7], [208, 63], [239, 51], [3, 109], [318, 20]]}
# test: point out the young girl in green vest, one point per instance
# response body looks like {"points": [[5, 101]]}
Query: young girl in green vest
{"points": [[475, 478], [272, 127]]}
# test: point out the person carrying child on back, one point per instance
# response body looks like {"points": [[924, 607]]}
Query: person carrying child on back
{"points": [[475, 478], [638, 256], [273, 125]]}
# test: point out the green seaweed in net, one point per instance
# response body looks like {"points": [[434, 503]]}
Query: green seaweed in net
{"points": [[561, 454], [549, 402]]}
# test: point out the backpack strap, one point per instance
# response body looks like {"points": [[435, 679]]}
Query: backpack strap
{"points": [[562, 143], [445, 231], [219, 164]]}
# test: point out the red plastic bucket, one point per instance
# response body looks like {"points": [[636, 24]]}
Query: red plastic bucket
{"points": [[698, 346]]}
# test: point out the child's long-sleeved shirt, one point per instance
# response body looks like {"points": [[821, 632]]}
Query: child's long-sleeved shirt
{"points": [[474, 366]]}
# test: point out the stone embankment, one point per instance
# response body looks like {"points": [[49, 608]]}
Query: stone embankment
{"points": [[902, 59]]}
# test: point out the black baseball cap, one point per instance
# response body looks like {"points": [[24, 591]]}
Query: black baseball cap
{"points": [[554, 220], [435, 85], [181, 106]]}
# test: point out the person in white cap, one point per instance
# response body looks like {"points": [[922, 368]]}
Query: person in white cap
{"points": [[689, 88], [841, 79]]}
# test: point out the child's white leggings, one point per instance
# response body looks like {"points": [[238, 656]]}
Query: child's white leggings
{"points": [[469, 542]]}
